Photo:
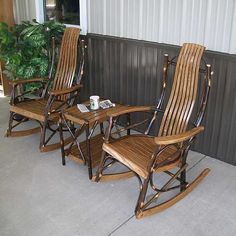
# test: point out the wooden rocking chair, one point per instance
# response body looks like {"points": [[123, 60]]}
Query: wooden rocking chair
{"points": [[145, 155], [45, 110]]}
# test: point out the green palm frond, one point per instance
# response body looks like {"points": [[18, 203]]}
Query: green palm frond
{"points": [[25, 47]]}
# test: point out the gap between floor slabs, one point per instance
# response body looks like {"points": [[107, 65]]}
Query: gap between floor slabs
{"points": [[119, 226], [196, 163]]}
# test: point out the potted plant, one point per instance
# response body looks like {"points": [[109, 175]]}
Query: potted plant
{"points": [[25, 48]]}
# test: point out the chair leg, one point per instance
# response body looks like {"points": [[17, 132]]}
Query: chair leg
{"points": [[8, 133], [183, 173], [183, 180], [43, 135], [141, 198], [101, 128], [63, 158], [100, 167]]}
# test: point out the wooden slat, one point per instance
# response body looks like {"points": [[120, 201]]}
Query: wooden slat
{"points": [[96, 150], [34, 109], [183, 95], [67, 60], [184, 90], [194, 93]]}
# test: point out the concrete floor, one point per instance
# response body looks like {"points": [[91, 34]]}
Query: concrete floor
{"points": [[40, 197]]}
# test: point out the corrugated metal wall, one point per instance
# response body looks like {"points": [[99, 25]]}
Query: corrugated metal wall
{"points": [[208, 22], [24, 10]]}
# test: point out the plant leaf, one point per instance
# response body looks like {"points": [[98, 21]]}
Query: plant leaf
{"points": [[29, 72]]}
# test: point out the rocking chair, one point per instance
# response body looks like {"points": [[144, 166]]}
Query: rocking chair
{"points": [[45, 109], [145, 155]]}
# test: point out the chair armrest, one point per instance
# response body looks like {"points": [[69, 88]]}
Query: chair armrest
{"points": [[172, 139], [24, 81], [128, 109], [65, 91]]}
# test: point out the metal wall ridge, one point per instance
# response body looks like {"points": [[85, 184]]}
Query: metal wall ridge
{"points": [[159, 45]]}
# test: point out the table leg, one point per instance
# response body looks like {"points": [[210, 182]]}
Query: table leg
{"points": [[128, 123], [74, 134], [89, 134], [90, 171], [63, 159], [101, 128]]}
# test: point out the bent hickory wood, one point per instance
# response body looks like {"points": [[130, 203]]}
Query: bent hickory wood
{"points": [[147, 156], [65, 87], [88, 152]]}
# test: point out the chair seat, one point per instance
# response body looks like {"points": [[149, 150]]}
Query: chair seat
{"points": [[35, 109], [135, 151]]}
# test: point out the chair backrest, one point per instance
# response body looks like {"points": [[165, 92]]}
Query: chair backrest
{"points": [[67, 62], [184, 90]]}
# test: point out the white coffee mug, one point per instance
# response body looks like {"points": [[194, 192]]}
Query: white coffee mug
{"points": [[94, 102]]}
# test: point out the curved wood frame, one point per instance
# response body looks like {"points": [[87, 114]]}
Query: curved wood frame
{"points": [[22, 133], [172, 131], [170, 202], [112, 176], [63, 91]]}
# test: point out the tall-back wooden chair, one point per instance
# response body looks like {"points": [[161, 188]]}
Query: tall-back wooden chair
{"points": [[64, 89], [145, 155]]}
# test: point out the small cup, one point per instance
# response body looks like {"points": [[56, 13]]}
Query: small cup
{"points": [[94, 102]]}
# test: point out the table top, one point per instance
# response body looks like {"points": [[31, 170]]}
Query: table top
{"points": [[75, 115]]}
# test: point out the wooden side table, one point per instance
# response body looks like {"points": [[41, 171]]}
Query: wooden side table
{"points": [[89, 151]]}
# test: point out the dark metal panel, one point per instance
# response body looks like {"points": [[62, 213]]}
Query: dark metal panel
{"points": [[130, 72]]}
